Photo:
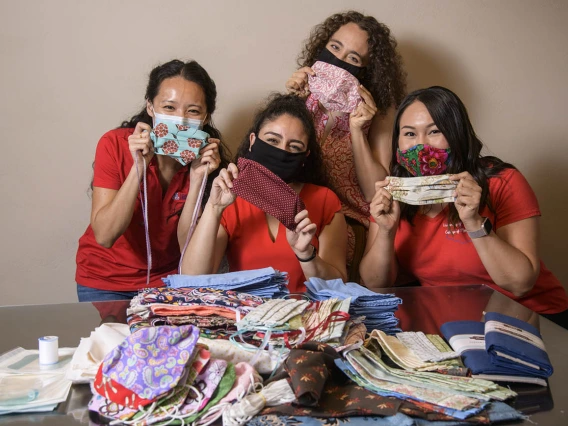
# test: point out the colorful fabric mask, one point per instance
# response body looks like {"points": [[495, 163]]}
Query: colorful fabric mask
{"points": [[263, 189], [424, 160], [148, 363], [178, 137], [329, 58], [284, 164], [334, 87], [422, 190]]}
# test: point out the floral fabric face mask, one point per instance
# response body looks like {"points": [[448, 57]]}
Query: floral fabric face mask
{"points": [[334, 87], [424, 160], [178, 137]]}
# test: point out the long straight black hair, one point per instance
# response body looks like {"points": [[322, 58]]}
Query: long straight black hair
{"points": [[190, 71], [450, 115]]}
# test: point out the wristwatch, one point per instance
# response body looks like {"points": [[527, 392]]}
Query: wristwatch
{"points": [[484, 231]]}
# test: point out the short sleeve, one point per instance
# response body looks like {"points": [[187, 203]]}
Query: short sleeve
{"points": [[229, 218], [512, 198], [107, 167], [331, 205]]}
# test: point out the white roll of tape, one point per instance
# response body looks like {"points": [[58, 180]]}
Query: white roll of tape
{"points": [[48, 350]]}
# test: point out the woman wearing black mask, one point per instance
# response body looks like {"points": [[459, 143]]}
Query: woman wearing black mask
{"points": [[282, 139]]}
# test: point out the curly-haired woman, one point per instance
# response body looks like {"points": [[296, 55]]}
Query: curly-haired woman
{"points": [[356, 146]]}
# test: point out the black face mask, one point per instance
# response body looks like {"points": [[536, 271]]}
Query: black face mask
{"points": [[329, 58], [286, 165]]}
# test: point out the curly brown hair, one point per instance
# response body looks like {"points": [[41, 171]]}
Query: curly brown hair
{"points": [[384, 75]]}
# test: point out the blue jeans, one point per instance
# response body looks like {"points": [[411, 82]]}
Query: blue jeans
{"points": [[88, 294]]}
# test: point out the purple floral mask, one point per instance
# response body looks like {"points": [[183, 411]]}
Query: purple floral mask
{"points": [[424, 160]]}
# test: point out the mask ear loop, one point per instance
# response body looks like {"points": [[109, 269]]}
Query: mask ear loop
{"points": [[194, 217], [144, 202]]}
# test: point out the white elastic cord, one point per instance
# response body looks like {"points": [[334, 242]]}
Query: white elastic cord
{"points": [[194, 217], [144, 202]]}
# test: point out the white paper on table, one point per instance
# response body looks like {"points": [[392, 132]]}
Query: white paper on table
{"points": [[26, 361], [49, 390]]}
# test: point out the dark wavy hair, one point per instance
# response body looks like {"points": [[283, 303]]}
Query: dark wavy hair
{"points": [[450, 115], [384, 74], [276, 106], [190, 71]]}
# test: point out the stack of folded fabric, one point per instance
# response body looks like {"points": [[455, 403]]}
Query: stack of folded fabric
{"points": [[215, 311], [458, 397], [265, 282], [378, 309], [503, 348], [162, 374]]}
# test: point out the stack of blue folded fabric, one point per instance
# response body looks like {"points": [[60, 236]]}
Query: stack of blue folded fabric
{"points": [[503, 346], [378, 309], [265, 282]]}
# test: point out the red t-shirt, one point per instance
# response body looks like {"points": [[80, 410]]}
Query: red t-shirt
{"points": [[123, 266], [436, 257], [250, 245]]}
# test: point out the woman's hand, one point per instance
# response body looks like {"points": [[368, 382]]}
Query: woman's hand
{"points": [[221, 195], [364, 112], [384, 209], [300, 240], [209, 155], [140, 141], [468, 197], [298, 83]]}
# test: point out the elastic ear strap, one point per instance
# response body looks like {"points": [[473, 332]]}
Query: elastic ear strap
{"points": [[144, 202], [194, 217]]}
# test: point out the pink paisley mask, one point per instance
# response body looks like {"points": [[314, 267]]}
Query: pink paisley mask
{"points": [[334, 87]]}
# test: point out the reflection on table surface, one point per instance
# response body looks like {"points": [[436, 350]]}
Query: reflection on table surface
{"points": [[423, 309]]}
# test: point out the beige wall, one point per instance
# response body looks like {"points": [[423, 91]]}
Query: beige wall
{"points": [[73, 70]]}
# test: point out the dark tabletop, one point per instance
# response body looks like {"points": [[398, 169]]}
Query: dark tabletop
{"points": [[423, 309]]}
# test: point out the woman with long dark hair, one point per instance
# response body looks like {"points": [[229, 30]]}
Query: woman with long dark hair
{"points": [[129, 179], [355, 145], [488, 235], [283, 140]]}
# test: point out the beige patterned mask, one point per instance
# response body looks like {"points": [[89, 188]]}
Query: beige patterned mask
{"points": [[422, 190]]}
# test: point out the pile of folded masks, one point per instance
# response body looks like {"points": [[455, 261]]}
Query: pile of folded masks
{"points": [[265, 282], [162, 374], [289, 322], [378, 309]]}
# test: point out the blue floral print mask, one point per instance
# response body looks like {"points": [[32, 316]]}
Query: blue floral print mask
{"points": [[178, 137]]}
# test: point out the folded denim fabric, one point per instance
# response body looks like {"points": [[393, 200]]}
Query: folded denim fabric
{"points": [[468, 339], [265, 282], [377, 308], [517, 345]]}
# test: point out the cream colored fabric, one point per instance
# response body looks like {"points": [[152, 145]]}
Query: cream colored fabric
{"points": [[93, 349], [422, 190]]}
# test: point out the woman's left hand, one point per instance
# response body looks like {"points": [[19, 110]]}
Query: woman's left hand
{"points": [[209, 155], [364, 112], [300, 240], [468, 197]]}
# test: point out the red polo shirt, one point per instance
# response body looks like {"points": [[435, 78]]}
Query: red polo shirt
{"points": [[438, 255], [123, 266], [251, 247]]}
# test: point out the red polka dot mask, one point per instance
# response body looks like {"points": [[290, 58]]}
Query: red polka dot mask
{"points": [[178, 137]]}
